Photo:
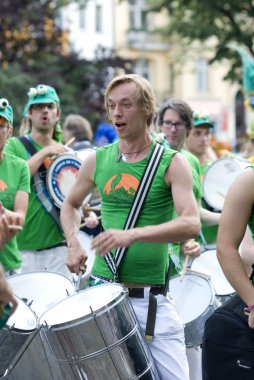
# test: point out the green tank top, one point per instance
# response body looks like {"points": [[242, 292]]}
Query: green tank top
{"points": [[209, 232], [117, 182], [174, 249]]}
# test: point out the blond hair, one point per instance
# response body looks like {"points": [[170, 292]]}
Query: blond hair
{"points": [[146, 99]]}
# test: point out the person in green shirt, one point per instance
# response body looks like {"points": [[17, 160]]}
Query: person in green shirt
{"points": [[116, 170], [41, 242], [198, 143], [14, 190], [176, 122]]}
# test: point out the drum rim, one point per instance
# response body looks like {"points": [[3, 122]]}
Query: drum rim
{"points": [[76, 321], [13, 329], [49, 176], [39, 272], [209, 304]]}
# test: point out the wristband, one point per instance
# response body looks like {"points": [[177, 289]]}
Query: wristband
{"points": [[248, 309]]}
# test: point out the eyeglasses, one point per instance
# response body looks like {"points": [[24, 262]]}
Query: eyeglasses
{"points": [[167, 124], [3, 126]]}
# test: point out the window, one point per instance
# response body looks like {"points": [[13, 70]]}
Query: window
{"points": [[202, 75], [98, 18], [82, 17], [141, 67], [138, 14]]}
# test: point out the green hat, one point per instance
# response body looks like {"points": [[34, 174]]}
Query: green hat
{"points": [[202, 119], [6, 110], [41, 94]]}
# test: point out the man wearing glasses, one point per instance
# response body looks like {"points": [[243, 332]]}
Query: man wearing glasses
{"points": [[175, 120]]}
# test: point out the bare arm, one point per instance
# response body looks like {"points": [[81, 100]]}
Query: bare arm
{"points": [[38, 158], [234, 218], [70, 216], [208, 218]]}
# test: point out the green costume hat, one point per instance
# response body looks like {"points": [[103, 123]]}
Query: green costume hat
{"points": [[6, 110], [202, 119], [248, 74], [41, 94]]}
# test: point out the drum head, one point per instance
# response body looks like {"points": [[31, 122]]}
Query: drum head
{"points": [[82, 304], [61, 175], [191, 296], [41, 290], [208, 263], [218, 179], [23, 318]]}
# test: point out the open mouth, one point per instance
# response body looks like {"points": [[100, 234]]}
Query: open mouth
{"points": [[120, 125]]}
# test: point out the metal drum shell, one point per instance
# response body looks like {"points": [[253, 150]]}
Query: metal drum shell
{"points": [[105, 343], [16, 336]]}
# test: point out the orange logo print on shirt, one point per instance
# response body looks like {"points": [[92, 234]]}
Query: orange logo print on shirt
{"points": [[3, 186], [124, 183]]}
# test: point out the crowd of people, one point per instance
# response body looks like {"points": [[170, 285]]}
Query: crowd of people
{"points": [[172, 221]]}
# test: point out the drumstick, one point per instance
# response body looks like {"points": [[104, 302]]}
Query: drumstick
{"points": [[89, 208], [84, 224], [186, 262], [197, 272], [221, 194], [70, 141], [13, 227]]}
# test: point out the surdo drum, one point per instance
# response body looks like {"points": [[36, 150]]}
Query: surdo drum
{"points": [[219, 177], [94, 334], [194, 299]]}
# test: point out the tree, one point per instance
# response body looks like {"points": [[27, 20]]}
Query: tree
{"points": [[34, 49], [199, 20]]}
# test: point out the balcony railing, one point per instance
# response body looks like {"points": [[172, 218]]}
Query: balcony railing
{"points": [[146, 40]]}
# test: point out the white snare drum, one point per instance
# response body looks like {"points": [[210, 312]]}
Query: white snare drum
{"points": [[208, 264], [95, 333], [41, 290], [61, 175], [219, 177], [16, 336], [194, 299]]}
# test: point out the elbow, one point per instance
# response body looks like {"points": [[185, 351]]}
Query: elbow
{"points": [[194, 228]]}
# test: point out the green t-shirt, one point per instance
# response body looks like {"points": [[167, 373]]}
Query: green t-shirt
{"points": [[117, 182], [14, 176], [174, 249], [209, 232], [40, 230]]}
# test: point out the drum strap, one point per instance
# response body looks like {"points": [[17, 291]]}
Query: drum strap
{"points": [[114, 262], [39, 182]]}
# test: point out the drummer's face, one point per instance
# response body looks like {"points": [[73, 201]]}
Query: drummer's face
{"points": [[174, 128], [44, 116], [198, 140]]}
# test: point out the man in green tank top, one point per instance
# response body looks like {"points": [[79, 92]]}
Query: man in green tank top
{"points": [[198, 143], [175, 119], [116, 170], [42, 243]]}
